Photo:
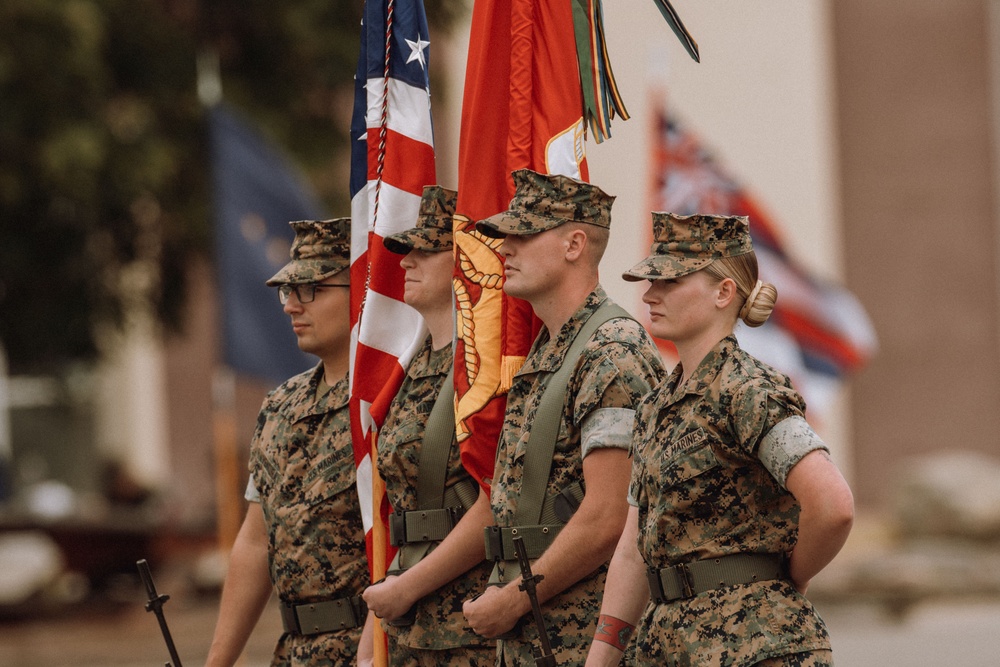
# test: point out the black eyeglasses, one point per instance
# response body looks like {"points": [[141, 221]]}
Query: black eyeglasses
{"points": [[304, 292]]}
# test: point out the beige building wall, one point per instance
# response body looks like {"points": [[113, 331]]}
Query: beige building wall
{"points": [[760, 99], [915, 96]]}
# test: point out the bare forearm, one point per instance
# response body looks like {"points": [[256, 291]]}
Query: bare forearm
{"points": [[584, 544], [821, 537], [462, 549], [244, 595], [825, 517], [625, 593]]}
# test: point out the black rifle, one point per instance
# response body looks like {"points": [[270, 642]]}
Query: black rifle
{"points": [[155, 605], [529, 581]]}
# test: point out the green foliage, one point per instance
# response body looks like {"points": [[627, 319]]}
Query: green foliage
{"points": [[103, 162]]}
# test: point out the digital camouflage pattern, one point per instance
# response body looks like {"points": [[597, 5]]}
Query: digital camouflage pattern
{"points": [[702, 492], [439, 623], [803, 659], [683, 244], [468, 656], [617, 367], [433, 231], [543, 201], [321, 248], [303, 467], [732, 627]]}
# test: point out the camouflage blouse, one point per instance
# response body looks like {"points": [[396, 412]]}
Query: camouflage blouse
{"points": [[439, 621], [702, 492], [303, 467], [618, 366]]}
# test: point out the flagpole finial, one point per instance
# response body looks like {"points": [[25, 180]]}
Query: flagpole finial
{"points": [[209, 79]]}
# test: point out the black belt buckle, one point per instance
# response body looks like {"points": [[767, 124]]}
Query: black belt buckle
{"points": [[655, 585], [397, 528], [360, 608], [494, 543], [289, 619], [406, 619], [683, 573]]}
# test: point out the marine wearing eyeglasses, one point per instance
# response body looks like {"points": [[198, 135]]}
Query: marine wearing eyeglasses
{"points": [[305, 293], [303, 535]]}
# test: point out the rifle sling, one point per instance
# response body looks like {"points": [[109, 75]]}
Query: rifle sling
{"points": [[432, 521]]}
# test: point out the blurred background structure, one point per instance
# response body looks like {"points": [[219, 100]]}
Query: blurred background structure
{"points": [[865, 131]]}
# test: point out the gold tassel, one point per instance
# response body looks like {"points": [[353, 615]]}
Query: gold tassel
{"points": [[508, 367]]}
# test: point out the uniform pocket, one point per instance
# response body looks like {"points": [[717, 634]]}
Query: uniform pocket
{"points": [[687, 458], [333, 473]]}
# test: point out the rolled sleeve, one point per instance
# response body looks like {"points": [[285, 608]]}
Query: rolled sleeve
{"points": [[607, 428], [252, 494], [786, 444]]}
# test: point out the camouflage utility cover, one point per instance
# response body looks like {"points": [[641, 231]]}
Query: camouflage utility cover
{"points": [[617, 367], [302, 463], [321, 248], [702, 492], [439, 621], [683, 244], [543, 201], [433, 231]]}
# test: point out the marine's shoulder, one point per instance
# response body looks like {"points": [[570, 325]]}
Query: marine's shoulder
{"points": [[743, 371], [291, 388]]}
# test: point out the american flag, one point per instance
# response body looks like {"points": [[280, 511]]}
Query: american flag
{"points": [[392, 158]]}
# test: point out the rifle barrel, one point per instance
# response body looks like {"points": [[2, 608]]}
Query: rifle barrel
{"points": [[529, 581], [155, 605]]}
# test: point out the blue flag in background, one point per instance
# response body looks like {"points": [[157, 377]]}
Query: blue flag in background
{"points": [[257, 192]]}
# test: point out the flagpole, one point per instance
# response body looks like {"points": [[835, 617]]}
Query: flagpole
{"points": [[379, 542], [226, 451], [379, 547]]}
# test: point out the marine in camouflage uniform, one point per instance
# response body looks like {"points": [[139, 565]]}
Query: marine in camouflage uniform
{"points": [[438, 635], [303, 533], [711, 457], [618, 365], [302, 464], [703, 492]]}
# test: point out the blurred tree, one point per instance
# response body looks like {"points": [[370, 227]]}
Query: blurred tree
{"points": [[104, 189]]}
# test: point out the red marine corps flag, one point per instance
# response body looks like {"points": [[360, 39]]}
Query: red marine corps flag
{"points": [[538, 77], [523, 107], [392, 159]]}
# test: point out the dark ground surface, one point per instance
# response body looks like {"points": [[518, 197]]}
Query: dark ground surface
{"points": [[963, 634], [113, 629]]}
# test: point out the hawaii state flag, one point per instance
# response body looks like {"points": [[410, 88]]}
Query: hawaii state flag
{"points": [[818, 332], [392, 159]]}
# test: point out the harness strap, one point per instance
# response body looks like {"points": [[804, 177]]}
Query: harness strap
{"points": [[545, 428], [439, 433]]}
